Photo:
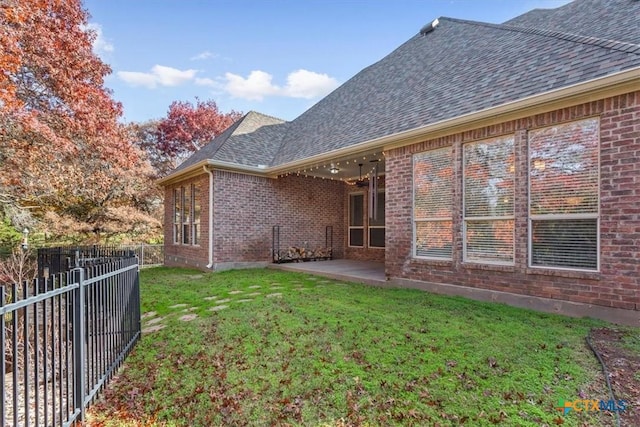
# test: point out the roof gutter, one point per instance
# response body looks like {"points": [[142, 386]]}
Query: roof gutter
{"points": [[196, 169], [210, 223], [614, 84]]}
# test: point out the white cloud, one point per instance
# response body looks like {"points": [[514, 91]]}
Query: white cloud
{"points": [[255, 87], [203, 55], [100, 44], [307, 84], [300, 84], [160, 75], [206, 82]]}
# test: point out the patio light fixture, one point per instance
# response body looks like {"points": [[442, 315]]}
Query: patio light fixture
{"points": [[334, 170]]}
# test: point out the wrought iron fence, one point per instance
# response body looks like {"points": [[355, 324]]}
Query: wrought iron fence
{"points": [[56, 260], [148, 255], [63, 337]]}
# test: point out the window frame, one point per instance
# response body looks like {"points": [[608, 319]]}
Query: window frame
{"points": [[186, 222], [568, 216], [196, 212], [356, 227], [415, 221], [177, 216], [488, 218]]}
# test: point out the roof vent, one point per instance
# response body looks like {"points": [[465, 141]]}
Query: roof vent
{"points": [[429, 27]]}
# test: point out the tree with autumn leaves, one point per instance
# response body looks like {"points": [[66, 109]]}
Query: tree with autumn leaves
{"points": [[64, 157], [68, 167], [185, 129]]}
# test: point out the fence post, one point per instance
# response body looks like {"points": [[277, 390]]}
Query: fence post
{"points": [[3, 362], [142, 254], [79, 344]]}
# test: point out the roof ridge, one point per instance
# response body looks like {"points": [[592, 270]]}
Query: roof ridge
{"points": [[229, 133], [575, 38], [281, 144], [265, 115]]}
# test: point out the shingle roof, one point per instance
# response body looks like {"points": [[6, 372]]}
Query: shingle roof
{"points": [[605, 19], [252, 141], [461, 67]]}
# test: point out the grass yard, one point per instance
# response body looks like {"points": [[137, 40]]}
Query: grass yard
{"points": [[266, 347]]}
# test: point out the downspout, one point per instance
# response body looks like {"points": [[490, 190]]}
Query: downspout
{"points": [[210, 224]]}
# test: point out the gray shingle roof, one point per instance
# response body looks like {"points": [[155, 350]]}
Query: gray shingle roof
{"points": [[252, 141], [605, 19], [461, 67]]}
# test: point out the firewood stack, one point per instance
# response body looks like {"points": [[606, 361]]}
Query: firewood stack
{"points": [[297, 254]]}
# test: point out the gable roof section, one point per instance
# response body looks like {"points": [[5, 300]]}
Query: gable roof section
{"points": [[251, 141], [459, 68]]}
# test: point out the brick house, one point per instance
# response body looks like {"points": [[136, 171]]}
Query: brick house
{"points": [[496, 161]]}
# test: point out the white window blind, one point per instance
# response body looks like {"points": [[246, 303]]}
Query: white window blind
{"points": [[489, 171], [432, 203], [177, 215], [564, 195]]}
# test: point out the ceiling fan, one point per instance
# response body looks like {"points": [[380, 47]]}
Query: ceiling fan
{"points": [[361, 182]]}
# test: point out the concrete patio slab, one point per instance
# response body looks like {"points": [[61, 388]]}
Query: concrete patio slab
{"points": [[368, 272]]}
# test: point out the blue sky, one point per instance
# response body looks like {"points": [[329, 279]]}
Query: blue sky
{"points": [[277, 57]]}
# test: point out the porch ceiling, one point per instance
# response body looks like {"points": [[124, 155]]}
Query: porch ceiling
{"points": [[346, 168]]}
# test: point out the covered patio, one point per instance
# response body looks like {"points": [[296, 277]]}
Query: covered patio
{"points": [[368, 272]]}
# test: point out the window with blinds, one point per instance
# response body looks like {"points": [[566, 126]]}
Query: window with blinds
{"points": [[564, 200], [186, 216], [195, 226], [177, 215], [432, 204], [488, 171]]}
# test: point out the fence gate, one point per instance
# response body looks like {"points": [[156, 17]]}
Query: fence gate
{"points": [[63, 337]]}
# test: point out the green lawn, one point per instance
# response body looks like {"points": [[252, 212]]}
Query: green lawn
{"points": [[295, 349]]}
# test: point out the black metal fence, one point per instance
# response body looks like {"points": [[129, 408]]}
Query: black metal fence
{"points": [[63, 337]]}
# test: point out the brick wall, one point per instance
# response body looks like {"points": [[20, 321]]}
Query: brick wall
{"points": [[246, 208], [616, 285]]}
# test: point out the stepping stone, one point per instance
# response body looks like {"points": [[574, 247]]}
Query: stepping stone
{"points": [[222, 301], [188, 317], [190, 309], [195, 276], [210, 298], [277, 287], [156, 320], [254, 286], [277, 294], [254, 294], [218, 307], [178, 305], [148, 314], [244, 300], [151, 329], [235, 292]]}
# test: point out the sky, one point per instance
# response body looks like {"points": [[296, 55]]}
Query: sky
{"points": [[277, 57]]}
